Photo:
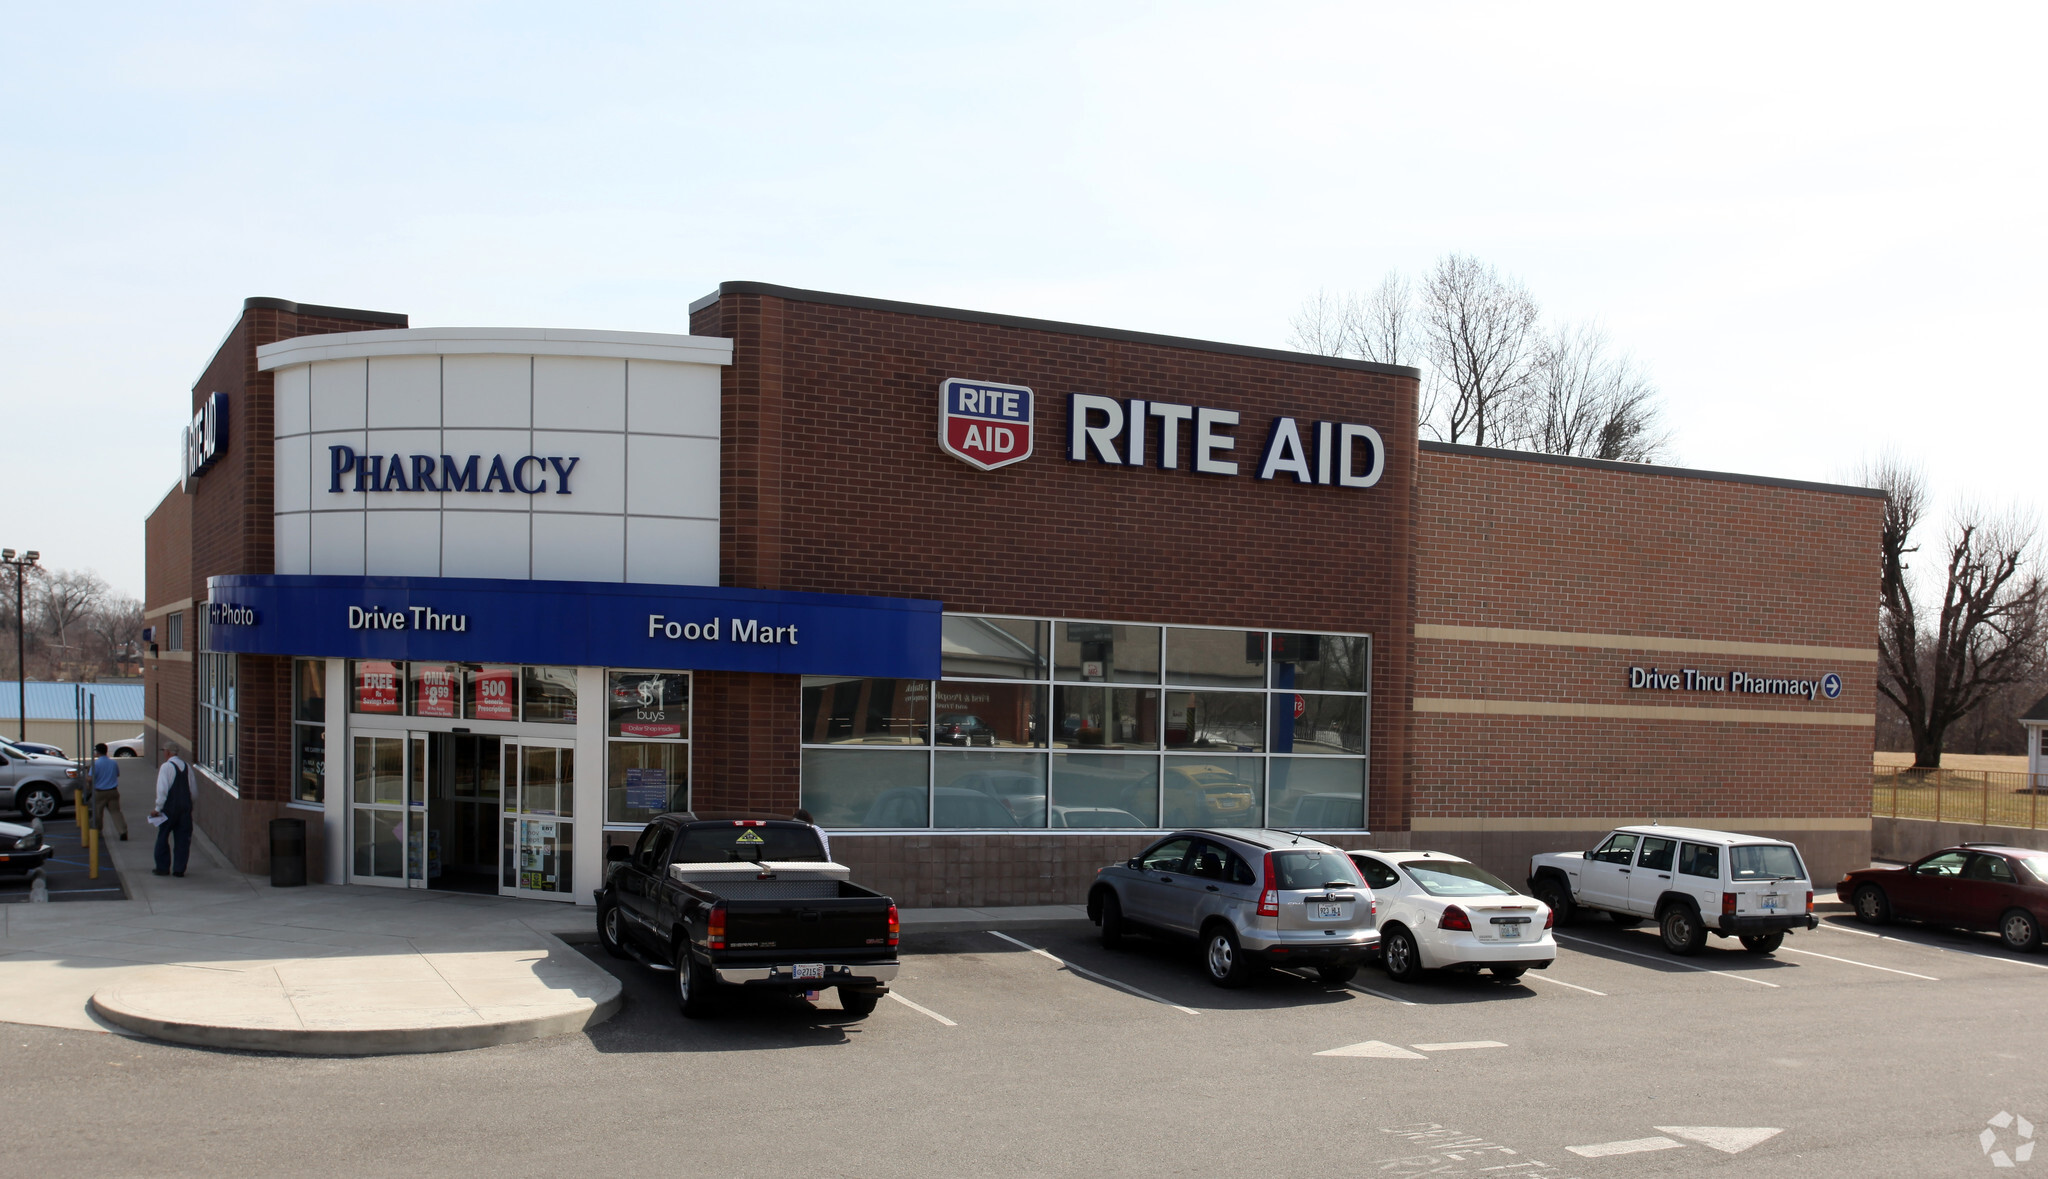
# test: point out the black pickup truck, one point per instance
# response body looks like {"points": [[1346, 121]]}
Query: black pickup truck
{"points": [[747, 902]]}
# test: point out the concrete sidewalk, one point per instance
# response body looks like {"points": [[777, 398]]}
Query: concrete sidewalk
{"points": [[221, 959]]}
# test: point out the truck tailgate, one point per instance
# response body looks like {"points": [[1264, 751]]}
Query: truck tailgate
{"points": [[856, 922]]}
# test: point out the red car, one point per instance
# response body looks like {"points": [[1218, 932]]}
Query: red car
{"points": [[1975, 886]]}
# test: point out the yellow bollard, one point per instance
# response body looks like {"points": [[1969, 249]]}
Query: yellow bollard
{"points": [[88, 835]]}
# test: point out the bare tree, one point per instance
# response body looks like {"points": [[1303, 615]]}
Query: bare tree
{"points": [[1988, 630], [1323, 326], [116, 628], [68, 598], [1481, 329], [1587, 400]]}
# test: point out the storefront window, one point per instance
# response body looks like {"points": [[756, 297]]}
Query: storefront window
{"points": [[1216, 720], [840, 711], [1222, 658], [867, 787], [1104, 790], [1006, 715], [309, 730], [550, 695], [1105, 718], [491, 693], [993, 648], [647, 767], [971, 789], [375, 686], [1098, 652], [1144, 726], [435, 689], [1317, 793], [1213, 792], [219, 718]]}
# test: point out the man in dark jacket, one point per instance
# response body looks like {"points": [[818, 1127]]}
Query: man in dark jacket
{"points": [[174, 807]]}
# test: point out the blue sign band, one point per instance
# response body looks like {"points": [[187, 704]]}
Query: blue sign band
{"points": [[576, 623]]}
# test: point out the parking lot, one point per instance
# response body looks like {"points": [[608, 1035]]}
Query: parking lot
{"points": [[1031, 1050]]}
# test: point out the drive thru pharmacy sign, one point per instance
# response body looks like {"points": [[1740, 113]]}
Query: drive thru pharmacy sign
{"points": [[984, 424]]}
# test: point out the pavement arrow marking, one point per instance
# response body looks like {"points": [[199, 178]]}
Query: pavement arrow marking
{"points": [[1726, 1139], [1629, 1146], [1374, 1048]]}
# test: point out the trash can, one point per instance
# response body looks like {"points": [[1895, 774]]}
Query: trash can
{"points": [[287, 852]]}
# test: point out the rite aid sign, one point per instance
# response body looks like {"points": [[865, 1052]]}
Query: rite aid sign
{"points": [[988, 425]]}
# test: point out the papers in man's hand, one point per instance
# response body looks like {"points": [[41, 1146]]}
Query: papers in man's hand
{"points": [[159, 820]]}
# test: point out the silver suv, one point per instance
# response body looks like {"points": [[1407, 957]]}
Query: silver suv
{"points": [[1253, 897], [33, 783]]}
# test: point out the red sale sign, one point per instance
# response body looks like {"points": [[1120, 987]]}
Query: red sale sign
{"points": [[497, 693], [433, 691], [376, 686]]}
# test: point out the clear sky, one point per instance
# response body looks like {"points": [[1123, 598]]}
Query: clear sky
{"points": [[1820, 227]]}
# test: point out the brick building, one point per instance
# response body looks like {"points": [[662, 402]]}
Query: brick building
{"points": [[996, 599]]}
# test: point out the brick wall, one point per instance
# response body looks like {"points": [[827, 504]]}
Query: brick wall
{"points": [[1529, 544], [833, 482], [223, 526]]}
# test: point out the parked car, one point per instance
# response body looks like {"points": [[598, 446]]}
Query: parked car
{"points": [[128, 746], [1095, 816], [1252, 897], [40, 748], [1021, 793], [963, 728], [1215, 793], [1692, 882], [1975, 886], [35, 784], [749, 903], [22, 849], [1440, 912], [1340, 811]]}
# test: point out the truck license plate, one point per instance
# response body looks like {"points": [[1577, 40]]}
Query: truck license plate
{"points": [[1770, 902], [1330, 912], [804, 970]]}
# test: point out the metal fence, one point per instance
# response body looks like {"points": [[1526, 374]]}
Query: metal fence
{"points": [[1959, 796]]}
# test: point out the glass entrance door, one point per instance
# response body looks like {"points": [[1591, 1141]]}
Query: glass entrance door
{"points": [[381, 806], [539, 809]]}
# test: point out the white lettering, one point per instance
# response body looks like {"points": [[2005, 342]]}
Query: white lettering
{"points": [[1348, 435], [748, 633], [1208, 440], [1170, 416], [1081, 435], [1002, 439], [1284, 453], [653, 625], [974, 440]]}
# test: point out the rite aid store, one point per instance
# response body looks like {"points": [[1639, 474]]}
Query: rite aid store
{"points": [[996, 599]]}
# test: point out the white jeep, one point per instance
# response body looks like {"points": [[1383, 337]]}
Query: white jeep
{"points": [[1691, 882]]}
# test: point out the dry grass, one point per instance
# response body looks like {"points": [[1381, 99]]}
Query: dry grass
{"points": [[1993, 762]]}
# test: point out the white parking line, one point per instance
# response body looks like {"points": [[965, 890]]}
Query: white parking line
{"points": [[1904, 941], [1461, 1044], [1562, 983], [1631, 1146], [922, 1010], [1084, 971], [1853, 962], [1668, 961], [1382, 995]]}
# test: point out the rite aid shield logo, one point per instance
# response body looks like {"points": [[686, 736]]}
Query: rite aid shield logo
{"points": [[984, 424]]}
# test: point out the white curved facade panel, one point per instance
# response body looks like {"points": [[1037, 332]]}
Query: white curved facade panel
{"points": [[496, 452]]}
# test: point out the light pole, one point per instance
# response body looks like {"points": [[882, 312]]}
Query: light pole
{"points": [[22, 565]]}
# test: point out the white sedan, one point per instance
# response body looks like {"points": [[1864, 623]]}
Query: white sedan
{"points": [[1439, 912], [128, 747]]}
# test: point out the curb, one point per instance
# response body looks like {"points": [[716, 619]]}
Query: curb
{"points": [[359, 1041]]}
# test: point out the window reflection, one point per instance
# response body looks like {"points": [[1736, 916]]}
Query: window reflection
{"points": [[1105, 718], [1224, 658], [1099, 652], [988, 714], [1104, 790], [1321, 663], [867, 787], [1214, 792], [992, 648], [965, 784], [839, 711], [1317, 793], [1216, 720], [550, 695], [1306, 723]]}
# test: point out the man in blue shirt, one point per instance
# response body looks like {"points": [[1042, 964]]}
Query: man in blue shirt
{"points": [[106, 791]]}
